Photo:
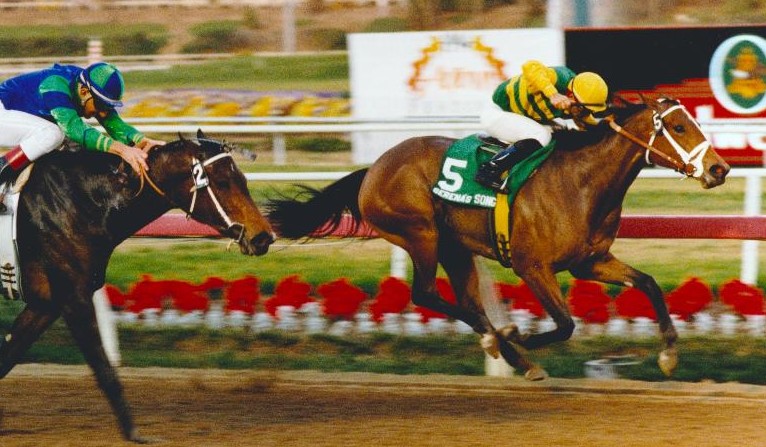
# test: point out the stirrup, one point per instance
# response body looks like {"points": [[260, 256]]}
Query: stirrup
{"points": [[491, 181]]}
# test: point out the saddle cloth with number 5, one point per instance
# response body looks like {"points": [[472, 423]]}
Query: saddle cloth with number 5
{"points": [[456, 182]]}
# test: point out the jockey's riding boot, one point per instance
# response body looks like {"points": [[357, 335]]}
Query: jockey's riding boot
{"points": [[11, 164], [489, 173]]}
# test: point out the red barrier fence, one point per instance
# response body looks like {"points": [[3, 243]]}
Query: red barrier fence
{"points": [[635, 227]]}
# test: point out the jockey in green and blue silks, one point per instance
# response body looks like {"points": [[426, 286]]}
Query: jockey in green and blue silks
{"points": [[39, 109], [523, 105]]}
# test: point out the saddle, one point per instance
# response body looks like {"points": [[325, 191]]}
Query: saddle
{"points": [[10, 287], [456, 183]]}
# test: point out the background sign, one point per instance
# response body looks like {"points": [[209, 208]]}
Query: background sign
{"points": [[435, 74], [718, 73]]}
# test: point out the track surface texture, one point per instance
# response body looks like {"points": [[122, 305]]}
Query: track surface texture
{"points": [[47, 405]]}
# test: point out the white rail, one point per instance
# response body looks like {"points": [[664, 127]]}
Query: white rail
{"points": [[104, 4]]}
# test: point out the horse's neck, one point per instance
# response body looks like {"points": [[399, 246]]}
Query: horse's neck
{"points": [[623, 161], [605, 172], [139, 213], [86, 192]]}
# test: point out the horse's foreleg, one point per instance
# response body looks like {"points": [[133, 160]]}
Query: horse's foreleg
{"points": [[613, 271], [545, 287], [81, 320], [26, 329]]}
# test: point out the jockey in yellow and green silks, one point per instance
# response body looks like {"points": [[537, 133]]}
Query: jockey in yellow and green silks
{"points": [[523, 105]]}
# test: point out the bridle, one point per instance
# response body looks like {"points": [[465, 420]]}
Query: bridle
{"points": [[690, 163], [201, 182]]}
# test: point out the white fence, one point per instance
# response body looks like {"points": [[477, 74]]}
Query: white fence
{"points": [[104, 4]]}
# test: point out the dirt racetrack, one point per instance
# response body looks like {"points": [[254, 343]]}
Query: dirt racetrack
{"points": [[43, 405]]}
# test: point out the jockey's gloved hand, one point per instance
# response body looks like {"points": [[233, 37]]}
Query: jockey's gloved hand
{"points": [[147, 144], [133, 156]]}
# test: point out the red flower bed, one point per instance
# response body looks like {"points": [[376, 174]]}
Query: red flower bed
{"points": [[521, 298], [393, 297], [633, 303], [290, 291], [588, 301], [341, 299], [689, 298], [242, 295], [186, 297], [743, 298], [145, 294]]}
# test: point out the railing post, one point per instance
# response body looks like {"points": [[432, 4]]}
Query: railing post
{"points": [[749, 268], [279, 149], [398, 262], [95, 50]]}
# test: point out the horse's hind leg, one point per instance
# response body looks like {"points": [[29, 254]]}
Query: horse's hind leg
{"points": [[80, 317], [460, 266], [613, 271], [26, 329], [422, 246]]}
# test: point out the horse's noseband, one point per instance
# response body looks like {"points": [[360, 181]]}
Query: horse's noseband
{"points": [[201, 181], [691, 161]]}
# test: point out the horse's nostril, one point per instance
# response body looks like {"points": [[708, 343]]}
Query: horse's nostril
{"points": [[717, 171], [262, 238]]}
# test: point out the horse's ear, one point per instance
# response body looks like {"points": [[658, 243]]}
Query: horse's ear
{"points": [[181, 137], [200, 134], [651, 103]]}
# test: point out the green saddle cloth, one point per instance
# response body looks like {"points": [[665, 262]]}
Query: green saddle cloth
{"points": [[456, 182]]}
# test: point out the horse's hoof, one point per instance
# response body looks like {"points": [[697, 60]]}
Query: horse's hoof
{"points": [[509, 332], [668, 361], [138, 439], [535, 374], [489, 345]]}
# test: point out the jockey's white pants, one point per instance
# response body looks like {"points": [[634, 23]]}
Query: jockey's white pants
{"points": [[35, 135], [511, 127]]}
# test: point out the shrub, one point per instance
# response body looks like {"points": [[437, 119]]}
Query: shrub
{"points": [[386, 25], [32, 46], [49, 40], [320, 144], [138, 42], [329, 38], [218, 36], [250, 18]]}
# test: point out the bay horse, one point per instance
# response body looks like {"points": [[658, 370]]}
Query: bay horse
{"points": [[78, 206], [565, 217]]}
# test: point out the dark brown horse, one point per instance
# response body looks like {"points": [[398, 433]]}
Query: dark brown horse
{"points": [[77, 207], [564, 218]]}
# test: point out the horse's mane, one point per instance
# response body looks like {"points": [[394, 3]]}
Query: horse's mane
{"points": [[572, 140]]}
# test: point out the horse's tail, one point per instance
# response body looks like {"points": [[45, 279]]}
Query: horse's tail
{"points": [[318, 213]]}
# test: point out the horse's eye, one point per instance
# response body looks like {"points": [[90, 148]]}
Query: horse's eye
{"points": [[223, 184], [679, 128]]}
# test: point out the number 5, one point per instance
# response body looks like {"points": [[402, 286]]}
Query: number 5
{"points": [[455, 179]]}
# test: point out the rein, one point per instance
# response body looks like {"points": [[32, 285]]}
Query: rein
{"points": [[201, 181], [688, 159]]}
